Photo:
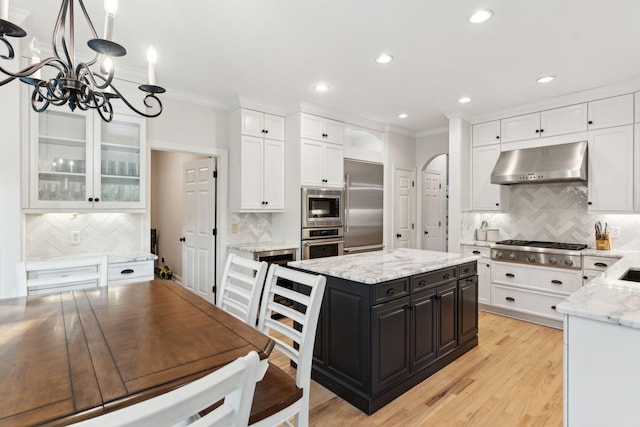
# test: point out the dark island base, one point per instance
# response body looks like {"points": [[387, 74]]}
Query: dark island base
{"points": [[369, 405]]}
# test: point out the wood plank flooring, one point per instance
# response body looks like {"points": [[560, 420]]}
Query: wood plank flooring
{"points": [[513, 378]]}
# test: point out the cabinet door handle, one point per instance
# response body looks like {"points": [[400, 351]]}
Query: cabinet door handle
{"points": [[510, 299], [476, 252], [127, 271], [553, 307], [556, 282], [446, 276], [600, 264], [511, 275], [391, 291]]}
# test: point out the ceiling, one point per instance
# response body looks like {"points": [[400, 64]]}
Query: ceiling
{"points": [[275, 50]]}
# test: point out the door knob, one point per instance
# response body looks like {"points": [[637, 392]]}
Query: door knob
{"points": [[183, 239], [398, 235], [426, 232]]}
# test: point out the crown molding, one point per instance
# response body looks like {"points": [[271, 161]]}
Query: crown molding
{"points": [[400, 131], [341, 116], [431, 132], [592, 94], [253, 104], [458, 115]]}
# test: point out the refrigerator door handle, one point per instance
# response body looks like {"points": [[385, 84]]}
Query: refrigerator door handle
{"points": [[347, 187]]}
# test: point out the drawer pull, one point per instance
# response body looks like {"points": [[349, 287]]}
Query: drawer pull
{"points": [[510, 299], [391, 291], [466, 270], [585, 277], [511, 275], [556, 282], [476, 252], [422, 283], [600, 264], [469, 280], [127, 271], [553, 307], [446, 276]]}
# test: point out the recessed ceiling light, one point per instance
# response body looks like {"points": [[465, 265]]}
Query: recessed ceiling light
{"points": [[321, 87], [384, 59], [481, 16], [403, 115], [546, 79], [464, 100]]}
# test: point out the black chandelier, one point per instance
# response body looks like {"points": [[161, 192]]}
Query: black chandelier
{"points": [[78, 85]]}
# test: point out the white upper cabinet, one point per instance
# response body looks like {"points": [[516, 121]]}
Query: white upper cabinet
{"points": [[321, 129], [608, 112], [518, 128], [262, 125], [611, 170], [322, 164], [560, 121], [79, 161], [486, 196], [256, 162], [487, 133]]}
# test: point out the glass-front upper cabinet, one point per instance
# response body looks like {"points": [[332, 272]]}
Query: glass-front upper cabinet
{"points": [[79, 161]]}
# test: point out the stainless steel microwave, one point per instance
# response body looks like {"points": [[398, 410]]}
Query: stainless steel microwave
{"points": [[321, 207]]}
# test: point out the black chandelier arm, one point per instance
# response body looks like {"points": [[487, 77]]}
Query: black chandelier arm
{"points": [[28, 71], [145, 101], [106, 111], [93, 30], [59, 30], [10, 53], [84, 73]]}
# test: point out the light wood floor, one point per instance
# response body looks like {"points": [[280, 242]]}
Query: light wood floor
{"points": [[513, 378]]}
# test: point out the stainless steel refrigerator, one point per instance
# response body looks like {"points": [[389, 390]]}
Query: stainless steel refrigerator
{"points": [[363, 206]]}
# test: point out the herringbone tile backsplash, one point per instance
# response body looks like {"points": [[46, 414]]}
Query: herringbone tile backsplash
{"points": [[252, 228], [553, 212], [50, 235]]}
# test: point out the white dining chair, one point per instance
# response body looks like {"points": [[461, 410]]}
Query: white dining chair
{"points": [[308, 291], [235, 383], [240, 287], [45, 277]]}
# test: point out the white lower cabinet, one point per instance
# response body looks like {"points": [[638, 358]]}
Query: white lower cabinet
{"points": [[593, 266], [121, 273], [484, 271], [532, 290]]}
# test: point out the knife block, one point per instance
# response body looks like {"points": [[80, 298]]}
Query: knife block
{"points": [[604, 244]]}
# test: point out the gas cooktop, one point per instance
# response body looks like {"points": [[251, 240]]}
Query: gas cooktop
{"points": [[548, 245]]}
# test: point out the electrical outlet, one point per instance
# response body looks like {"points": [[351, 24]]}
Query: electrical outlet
{"points": [[615, 232], [234, 228], [75, 237]]}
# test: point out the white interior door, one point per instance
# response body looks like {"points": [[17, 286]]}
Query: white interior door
{"points": [[198, 223], [432, 210], [402, 212]]}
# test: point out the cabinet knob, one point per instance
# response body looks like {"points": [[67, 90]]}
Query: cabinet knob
{"points": [[266, 131], [422, 283], [585, 277], [497, 204], [391, 291], [553, 307], [537, 130], [426, 232], [96, 199], [266, 202], [183, 239], [497, 136], [398, 235], [90, 199], [590, 122], [446, 276], [541, 130]]}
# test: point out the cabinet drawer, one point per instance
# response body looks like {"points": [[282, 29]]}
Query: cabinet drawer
{"points": [[468, 269], [537, 278], [483, 251], [391, 290], [526, 301], [426, 280], [125, 272], [597, 263]]}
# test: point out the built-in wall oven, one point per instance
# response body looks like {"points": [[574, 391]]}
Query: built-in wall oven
{"points": [[321, 207], [322, 242]]}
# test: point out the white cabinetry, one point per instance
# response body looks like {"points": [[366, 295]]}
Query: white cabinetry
{"points": [[321, 129], [484, 271], [487, 133], [78, 161], [120, 273], [485, 195], [593, 266], [256, 163], [262, 125], [530, 289], [363, 144], [615, 111], [322, 164], [557, 121], [611, 170]]}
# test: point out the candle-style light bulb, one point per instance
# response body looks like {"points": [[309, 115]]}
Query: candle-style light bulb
{"points": [[106, 65], [4, 10], [152, 58], [34, 47], [111, 8]]}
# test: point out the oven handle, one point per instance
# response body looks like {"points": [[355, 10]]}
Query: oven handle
{"points": [[320, 242], [347, 187]]}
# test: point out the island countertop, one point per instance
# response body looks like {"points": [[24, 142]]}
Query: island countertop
{"points": [[381, 266]]}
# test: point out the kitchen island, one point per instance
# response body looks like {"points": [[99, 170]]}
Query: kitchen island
{"points": [[390, 319], [602, 348]]}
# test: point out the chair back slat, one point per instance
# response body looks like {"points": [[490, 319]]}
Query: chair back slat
{"points": [[240, 288]]}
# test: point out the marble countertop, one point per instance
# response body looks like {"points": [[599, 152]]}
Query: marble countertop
{"points": [[484, 243], [381, 266], [607, 298], [263, 247], [113, 258]]}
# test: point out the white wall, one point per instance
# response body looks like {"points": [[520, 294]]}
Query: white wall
{"points": [[459, 167], [430, 146]]}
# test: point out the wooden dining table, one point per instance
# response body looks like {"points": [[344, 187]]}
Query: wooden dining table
{"points": [[70, 356]]}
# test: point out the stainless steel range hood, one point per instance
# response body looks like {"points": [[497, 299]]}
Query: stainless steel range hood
{"points": [[553, 163]]}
